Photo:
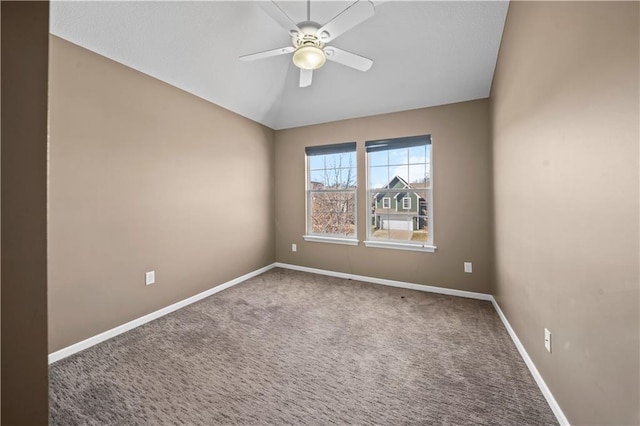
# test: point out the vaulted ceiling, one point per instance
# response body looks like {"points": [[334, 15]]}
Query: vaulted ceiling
{"points": [[425, 53]]}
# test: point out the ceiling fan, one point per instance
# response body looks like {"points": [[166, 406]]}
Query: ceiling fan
{"points": [[310, 39]]}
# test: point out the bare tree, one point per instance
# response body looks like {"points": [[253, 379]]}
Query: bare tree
{"points": [[333, 206]]}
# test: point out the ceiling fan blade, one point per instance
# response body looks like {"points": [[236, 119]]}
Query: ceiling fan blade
{"points": [[279, 15], [267, 53], [305, 77], [358, 12], [347, 58]]}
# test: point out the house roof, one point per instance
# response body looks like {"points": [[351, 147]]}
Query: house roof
{"points": [[405, 185]]}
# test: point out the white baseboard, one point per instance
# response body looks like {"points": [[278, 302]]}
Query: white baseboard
{"points": [[77, 347], [562, 419], [392, 283], [87, 343]]}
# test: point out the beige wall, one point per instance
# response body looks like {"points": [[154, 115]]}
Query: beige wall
{"points": [[25, 32], [565, 123], [144, 176], [462, 197]]}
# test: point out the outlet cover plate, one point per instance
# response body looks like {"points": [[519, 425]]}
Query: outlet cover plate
{"points": [[547, 340], [150, 277]]}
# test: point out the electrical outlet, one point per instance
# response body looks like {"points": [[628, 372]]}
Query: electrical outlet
{"points": [[547, 340], [468, 267], [294, 247], [150, 277]]}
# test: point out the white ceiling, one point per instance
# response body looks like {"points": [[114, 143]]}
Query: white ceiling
{"points": [[425, 53]]}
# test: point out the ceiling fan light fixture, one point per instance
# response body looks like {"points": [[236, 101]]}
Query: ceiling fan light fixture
{"points": [[309, 57]]}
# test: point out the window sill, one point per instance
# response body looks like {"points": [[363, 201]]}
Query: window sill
{"points": [[401, 246], [331, 240]]}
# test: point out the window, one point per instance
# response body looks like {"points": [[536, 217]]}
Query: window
{"points": [[406, 202], [331, 193], [400, 169]]}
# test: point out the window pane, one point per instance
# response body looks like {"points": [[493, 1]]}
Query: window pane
{"points": [[333, 213], [418, 154], [379, 158], [417, 174], [348, 178], [332, 178], [398, 156], [401, 172], [422, 231], [316, 162], [379, 217], [399, 206], [421, 234], [345, 159], [378, 177], [317, 179]]}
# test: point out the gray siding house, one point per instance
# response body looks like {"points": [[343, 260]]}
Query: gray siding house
{"points": [[398, 209]]}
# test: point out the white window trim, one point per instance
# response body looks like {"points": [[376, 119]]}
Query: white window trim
{"points": [[331, 240], [397, 244], [407, 198], [388, 200], [427, 248]]}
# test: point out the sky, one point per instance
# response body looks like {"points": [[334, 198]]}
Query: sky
{"points": [[411, 164]]}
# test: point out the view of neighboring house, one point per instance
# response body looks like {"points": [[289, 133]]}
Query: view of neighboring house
{"points": [[316, 185], [401, 206]]}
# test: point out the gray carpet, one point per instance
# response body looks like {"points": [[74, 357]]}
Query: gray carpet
{"points": [[296, 348]]}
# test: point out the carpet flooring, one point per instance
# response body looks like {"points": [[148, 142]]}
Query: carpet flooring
{"points": [[289, 347]]}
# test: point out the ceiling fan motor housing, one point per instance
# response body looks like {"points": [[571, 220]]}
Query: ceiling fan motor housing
{"points": [[309, 39], [308, 35]]}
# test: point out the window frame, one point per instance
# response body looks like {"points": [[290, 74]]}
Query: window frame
{"points": [[387, 201], [379, 145], [408, 205], [349, 147]]}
